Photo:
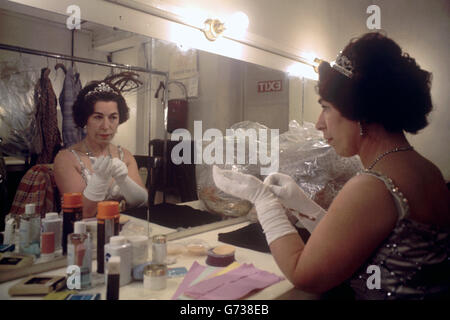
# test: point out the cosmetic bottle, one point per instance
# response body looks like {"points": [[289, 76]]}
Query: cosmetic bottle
{"points": [[53, 223], [79, 252], [155, 276], [113, 279], [159, 248], [10, 228], [119, 247], [91, 229], [107, 226], [140, 249], [72, 211], [47, 246], [30, 231]]}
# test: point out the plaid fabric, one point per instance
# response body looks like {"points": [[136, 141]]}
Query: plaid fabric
{"points": [[37, 186], [47, 121]]}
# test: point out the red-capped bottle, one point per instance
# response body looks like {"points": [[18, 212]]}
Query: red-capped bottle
{"points": [[72, 211], [108, 216]]}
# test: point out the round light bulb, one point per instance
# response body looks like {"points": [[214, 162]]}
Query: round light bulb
{"points": [[301, 70], [309, 56], [237, 24]]}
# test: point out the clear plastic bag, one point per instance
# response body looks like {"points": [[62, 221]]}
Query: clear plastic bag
{"points": [[18, 130], [313, 164], [303, 154], [215, 200], [136, 228], [192, 247]]}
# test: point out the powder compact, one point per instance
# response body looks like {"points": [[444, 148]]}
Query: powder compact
{"points": [[220, 256]]}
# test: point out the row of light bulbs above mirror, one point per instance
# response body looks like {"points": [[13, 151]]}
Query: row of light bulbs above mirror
{"points": [[236, 27], [233, 27]]}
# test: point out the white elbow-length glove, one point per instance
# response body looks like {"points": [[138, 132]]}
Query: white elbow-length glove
{"points": [[97, 185], [134, 194], [269, 210], [295, 200]]}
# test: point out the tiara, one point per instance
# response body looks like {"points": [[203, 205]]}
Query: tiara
{"points": [[343, 65], [101, 87]]}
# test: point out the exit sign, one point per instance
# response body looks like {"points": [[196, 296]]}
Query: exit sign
{"points": [[270, 85]]}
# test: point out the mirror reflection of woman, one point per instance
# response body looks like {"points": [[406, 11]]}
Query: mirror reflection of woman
{"points": [[95, 167]]}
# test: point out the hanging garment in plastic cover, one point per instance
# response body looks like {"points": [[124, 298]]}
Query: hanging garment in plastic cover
{"points": [[17, 113], [303, 154]]}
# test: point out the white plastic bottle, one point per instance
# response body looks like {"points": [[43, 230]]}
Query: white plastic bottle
{"points": [[10, 227], [24, 232], [140, 249], [35, 232], [119, 247], [53, 223], [30, 231]]}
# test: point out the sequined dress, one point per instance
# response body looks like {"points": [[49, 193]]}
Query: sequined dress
{"points": [[413, 261]]}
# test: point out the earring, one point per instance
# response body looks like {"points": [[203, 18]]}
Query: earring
{"points": [[361, 132]]}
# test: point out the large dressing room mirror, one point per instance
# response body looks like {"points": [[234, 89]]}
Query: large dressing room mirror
{"points": [[180, 87]]}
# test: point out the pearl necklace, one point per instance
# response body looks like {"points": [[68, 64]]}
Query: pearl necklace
{"points": [[381, 156]]}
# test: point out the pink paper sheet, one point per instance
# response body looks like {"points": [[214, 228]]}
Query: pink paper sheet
{"points": [[195, 270], [196, 273], [233, 285]]}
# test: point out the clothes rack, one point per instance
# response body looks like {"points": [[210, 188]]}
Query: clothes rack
{"points": [[79, 59]]}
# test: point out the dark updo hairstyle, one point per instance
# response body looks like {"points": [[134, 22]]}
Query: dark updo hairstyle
{"points": [[83, 107], [387, 86]]}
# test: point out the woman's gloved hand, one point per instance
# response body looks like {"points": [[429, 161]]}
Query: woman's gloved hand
{"points": [[270, 213], [97, 185], [293, 197], [240, 185], [119, 170], [133, 193]]}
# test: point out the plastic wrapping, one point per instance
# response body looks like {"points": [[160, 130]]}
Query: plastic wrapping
{"points": [[303, 154], [314, 164], [18, 129], [192, 247], [215, 200], [132, 228]]}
